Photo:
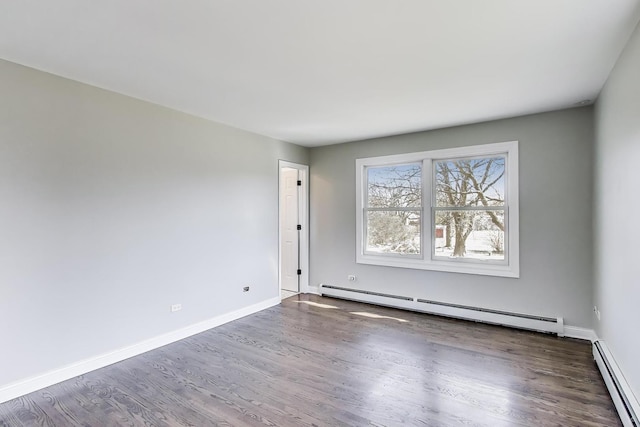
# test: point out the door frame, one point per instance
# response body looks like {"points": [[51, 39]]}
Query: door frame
{"points": [[303, 217]]}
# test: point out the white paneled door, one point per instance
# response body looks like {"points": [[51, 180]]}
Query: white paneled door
{"points": [[290, 240], [294, 233]]}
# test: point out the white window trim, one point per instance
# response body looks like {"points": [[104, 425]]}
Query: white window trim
{"points": [[425, 261]]}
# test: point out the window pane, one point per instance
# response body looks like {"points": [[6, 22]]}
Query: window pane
{"points": [[395, 232], [394, 186], [470, 182], [474, 234]]}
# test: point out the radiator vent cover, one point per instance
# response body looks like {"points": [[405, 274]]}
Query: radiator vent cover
{"points": [[478, 314], [360, 291], [626, 404], [487, 310]]}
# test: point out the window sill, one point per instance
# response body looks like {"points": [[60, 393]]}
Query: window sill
{"points": [[487, 269]]}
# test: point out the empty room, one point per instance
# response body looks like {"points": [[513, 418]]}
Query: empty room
{"points": [[336, 213]]}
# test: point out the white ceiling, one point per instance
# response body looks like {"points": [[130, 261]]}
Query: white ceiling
{"points": [[329, 71]]}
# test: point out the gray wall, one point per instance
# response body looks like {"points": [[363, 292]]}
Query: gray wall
{"points": [[617, 207], [112, 209], [555, 218]]}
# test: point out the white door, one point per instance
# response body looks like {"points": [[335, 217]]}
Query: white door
{"points": [[290, 239]]}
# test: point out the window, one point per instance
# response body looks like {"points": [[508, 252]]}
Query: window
{"points": [[448, 210], [394, 209]]}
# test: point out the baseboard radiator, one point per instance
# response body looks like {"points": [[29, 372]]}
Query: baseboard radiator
{"points": [[621, 394], [553, 325]]}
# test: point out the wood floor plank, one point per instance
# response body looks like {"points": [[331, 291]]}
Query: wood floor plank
{"points": [[315, 361]]}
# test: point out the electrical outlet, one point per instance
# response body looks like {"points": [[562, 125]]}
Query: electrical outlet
{"points": [[176, 307], [598, 314], [351, 277], [245, 289]]}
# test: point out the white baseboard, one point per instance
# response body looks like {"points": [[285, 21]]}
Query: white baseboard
{"points": [[580, 333], [37, 382], [314, 290]]}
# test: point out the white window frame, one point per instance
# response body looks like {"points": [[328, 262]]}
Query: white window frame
{"points": [[426, 260]]}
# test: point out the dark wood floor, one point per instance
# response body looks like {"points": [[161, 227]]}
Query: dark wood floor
{"points": [[316, 361]]}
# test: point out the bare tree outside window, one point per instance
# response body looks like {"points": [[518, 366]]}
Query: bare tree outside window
{"points": [[470, 207]]}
